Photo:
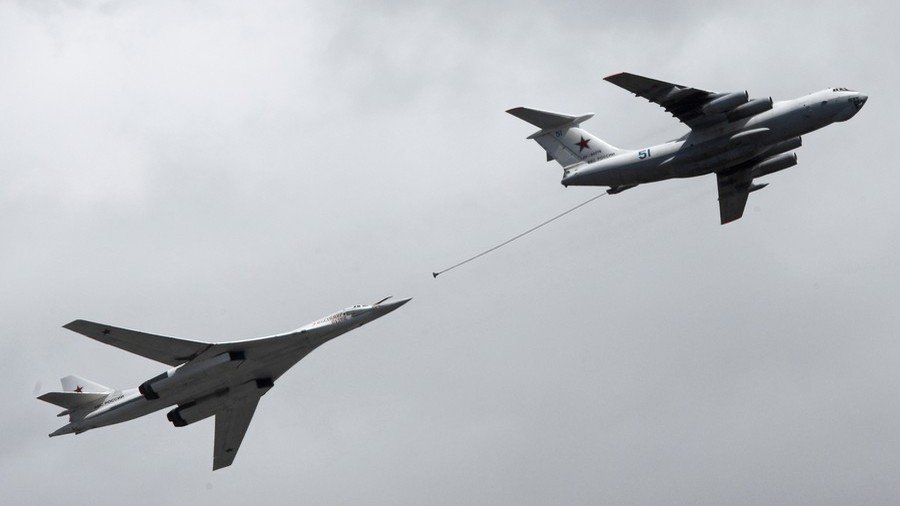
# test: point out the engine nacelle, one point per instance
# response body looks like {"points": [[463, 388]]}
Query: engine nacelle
{"points": [[146, 388], [206, 407], [751, 108], [189, 372], [784, 146], [774, 164], [726, 102], [191, 412]]}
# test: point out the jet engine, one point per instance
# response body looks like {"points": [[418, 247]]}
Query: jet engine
{"points": [[774, 164], [189, 372], [726, 102], [194, 411], [191, 412], [784, 146], [751, 108]]}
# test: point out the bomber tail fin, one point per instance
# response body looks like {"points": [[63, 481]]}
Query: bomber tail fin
{"points": [[81, 385], [72, 400], [562, 138], [78, 394]]}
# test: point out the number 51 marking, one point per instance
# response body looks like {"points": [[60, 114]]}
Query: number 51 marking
{"points": [[644, 153]]}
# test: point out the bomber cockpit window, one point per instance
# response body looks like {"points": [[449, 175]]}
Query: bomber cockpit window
{"points": [[840, 89]]}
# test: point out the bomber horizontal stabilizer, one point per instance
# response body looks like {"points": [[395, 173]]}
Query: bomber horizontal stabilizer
{"points": [[72, 400]]}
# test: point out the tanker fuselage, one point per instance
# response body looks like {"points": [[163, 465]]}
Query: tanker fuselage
{"points": [[720, 147]]}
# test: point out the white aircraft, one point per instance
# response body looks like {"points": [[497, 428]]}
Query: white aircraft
{"points": [[736, 138], [222, 379]]}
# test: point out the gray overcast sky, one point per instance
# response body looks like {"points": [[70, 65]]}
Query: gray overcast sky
{"points": [[224, 170]]}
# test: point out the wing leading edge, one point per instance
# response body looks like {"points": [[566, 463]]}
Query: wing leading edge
{"points": [[683, 102]]}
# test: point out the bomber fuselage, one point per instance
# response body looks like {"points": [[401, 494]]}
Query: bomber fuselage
{"points": [[237, 364]]}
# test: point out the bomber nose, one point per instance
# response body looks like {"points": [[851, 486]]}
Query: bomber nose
{"points": [[860, 100], [389, 306]]}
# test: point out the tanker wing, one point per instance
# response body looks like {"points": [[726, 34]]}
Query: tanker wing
{"points": [[694, 107], [683, 102], [736, 183], [733, 192]]}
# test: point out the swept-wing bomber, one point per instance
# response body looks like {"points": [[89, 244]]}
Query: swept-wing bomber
{"points": [[738, 138], [225, 380]]}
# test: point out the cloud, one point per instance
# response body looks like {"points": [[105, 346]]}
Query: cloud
{"points": [[229, 170]]}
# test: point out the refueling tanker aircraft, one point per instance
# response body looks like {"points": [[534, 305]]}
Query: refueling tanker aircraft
{"points": [[737, 138], [222, 379]]}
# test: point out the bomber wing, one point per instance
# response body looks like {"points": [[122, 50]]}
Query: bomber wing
{"points": [[301, 342], [683, 102], [168, 350], [231, 425]]}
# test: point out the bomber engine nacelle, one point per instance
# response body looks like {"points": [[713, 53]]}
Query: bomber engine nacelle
{"points": [[154, 387], [751, 108], [774, 164], [191, 412], [726, 102], [195, 411]]}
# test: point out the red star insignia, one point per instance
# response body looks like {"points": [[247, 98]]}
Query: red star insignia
{"points": [[78, 388], [583, 144]]}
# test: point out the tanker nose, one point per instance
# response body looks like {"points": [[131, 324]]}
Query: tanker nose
{"points": [[854, 103]]}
